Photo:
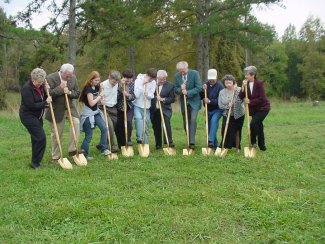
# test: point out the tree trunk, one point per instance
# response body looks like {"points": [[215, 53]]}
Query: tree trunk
{"points": [[206, 39], [199, 38], [72, 49]]}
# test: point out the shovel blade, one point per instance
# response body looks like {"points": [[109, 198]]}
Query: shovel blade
{"points": [[207, 151], [188, 152], [80, 159], [127, 151], [144, 150], [169, 151], [218, 151], [223, 152], [249, 152], [112, 156], [64, 163]]}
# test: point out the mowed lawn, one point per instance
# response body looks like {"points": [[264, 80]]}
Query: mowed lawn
{"points": [[276, 197]]}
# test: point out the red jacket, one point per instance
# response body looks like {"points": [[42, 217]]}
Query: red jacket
{"points": [[257, 100]]}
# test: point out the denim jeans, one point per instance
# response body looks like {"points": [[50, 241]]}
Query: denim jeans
{"points": [[138, 117], [213, 118], [89, 134]]}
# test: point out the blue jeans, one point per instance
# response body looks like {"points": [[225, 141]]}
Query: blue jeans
{"points": [[213, 118], [138, 117], [89, 134]]}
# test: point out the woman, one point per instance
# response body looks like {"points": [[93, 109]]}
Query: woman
{"points": [[33, 102], [258, 103], [228, 98], [91, 95]]}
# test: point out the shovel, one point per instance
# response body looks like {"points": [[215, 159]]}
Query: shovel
{"points": [[143, 149], [127, 151], [187, 151], [206, 151], [169, 150], [222, 152], [112, 156], [63, 162], [249, 152], [79, 158]]}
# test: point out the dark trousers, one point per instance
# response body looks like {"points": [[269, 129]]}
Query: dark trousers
{"points": [[120, 130], [38, 138], [155, 118], [257, 128], [192, 116]]}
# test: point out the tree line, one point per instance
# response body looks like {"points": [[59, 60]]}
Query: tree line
{"points": [[137, 34]]}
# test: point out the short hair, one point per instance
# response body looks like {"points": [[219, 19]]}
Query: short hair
{"points": [[182, 64], [67, 67], [127, 74], [252, 70], [162, 74], [37, 74], [152, 72], [229, 77], [115, 75]]}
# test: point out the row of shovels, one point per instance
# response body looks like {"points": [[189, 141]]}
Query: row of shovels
{"points": [[249, 152]]}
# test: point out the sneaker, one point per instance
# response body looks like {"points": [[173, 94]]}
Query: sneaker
{"points": [[35, 166], [98, 147], [192, 146], [106, 152], [139, 141], [171, 144], [89, 158], [210, 144], [114, 149], [130, 143]]}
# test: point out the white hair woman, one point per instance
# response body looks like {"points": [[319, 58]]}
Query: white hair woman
{"points": [[33, 102]]}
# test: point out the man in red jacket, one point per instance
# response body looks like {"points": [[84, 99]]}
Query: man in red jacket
{"points": [[258, 103]]}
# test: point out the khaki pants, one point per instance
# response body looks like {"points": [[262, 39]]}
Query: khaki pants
{"points": [[60, 125], [112, 120]]}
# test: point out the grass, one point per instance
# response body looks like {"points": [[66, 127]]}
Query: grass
{"points": [[276, 197]]}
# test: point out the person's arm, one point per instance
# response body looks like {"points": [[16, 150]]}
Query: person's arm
{"points": [[28, 100], [222, 101], [131, 96], [74, 93], [90, 97], [138, 88], [260, 92], [151, 90], [55, 90], [170, 98], [214, 100], [197, 86]]}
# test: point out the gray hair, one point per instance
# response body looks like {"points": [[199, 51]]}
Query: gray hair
{"points": [[229, 77], [182, 64], [67, 67], [250, 70], [38, 74], [162, 74], [115, 75]]}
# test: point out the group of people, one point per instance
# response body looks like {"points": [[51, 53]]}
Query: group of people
{"points": [[142, 98]]}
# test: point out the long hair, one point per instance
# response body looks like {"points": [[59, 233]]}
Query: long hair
{"points": [[91, 76]]}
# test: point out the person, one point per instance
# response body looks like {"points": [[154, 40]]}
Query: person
{"points": [[144, 88], [258, 103], [110, 87], [228, 98], [91, 115], [213, 87], [33, 103], [166, 96], [61, 83], [188, 83], [127, 79]]}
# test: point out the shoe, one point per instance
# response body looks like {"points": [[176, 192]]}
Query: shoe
{"points": [[171, 145], [139, 141], [263, 148], [192, 146], [80, 151], [35, 166], [254, 145], [89, 158], [106, 152], [158, 147], [130, 143], [98, 147], [54, 161], [114, 149], [210, 144]]}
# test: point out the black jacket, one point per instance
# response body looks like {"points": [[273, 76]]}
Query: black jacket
{"points": [[32, 103], [167, 92]]}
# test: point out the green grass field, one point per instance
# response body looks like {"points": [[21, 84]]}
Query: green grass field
{"points": [[276, 197]]}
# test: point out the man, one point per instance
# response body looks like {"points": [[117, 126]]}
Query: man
{"points": [[127, 77], [213, 88], [110, 87], [166, 96], [61, 83], [188, 83], [144, 88]]}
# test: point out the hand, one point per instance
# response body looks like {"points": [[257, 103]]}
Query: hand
{"points": [[125, 93], [159, 98], [146, 79], [183, 86], [229, 104], [49, 99], [47, 86], [63, 84], [103, 102], [206, 100], [184, 92], [245, 82], [101, 93], [247, 100], [145, 94], [204, 86], [66, 90]]}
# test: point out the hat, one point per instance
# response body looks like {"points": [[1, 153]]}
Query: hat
{"points": [[250, 70], [212, 74]]}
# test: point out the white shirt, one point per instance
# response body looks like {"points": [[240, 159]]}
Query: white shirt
{"points": [[251, 85], [139, 92], [110, 93]]}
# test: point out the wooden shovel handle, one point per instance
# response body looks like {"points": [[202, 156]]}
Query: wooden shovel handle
{"points": [[186, 122], [227, 122], [71, 122], [162, 118], [144, 113], [125, 116], [106, 122], [248, 119], [206, 117]]}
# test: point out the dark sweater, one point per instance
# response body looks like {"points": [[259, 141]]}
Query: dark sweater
{"points": [[213, 94]]}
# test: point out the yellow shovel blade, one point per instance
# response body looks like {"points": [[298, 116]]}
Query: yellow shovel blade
{"points": [[169, 151], [249, 152], [80, 159], [218, 152], [207, 151], [188, 152], [127, 151], [223, 153], [112, 156], [144, 150], [64, 163]]}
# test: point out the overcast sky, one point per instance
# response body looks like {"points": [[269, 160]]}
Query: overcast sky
{"points": [[294, 12]]}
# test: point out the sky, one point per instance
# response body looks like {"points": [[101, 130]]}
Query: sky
{"points": [[294, 12]]}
